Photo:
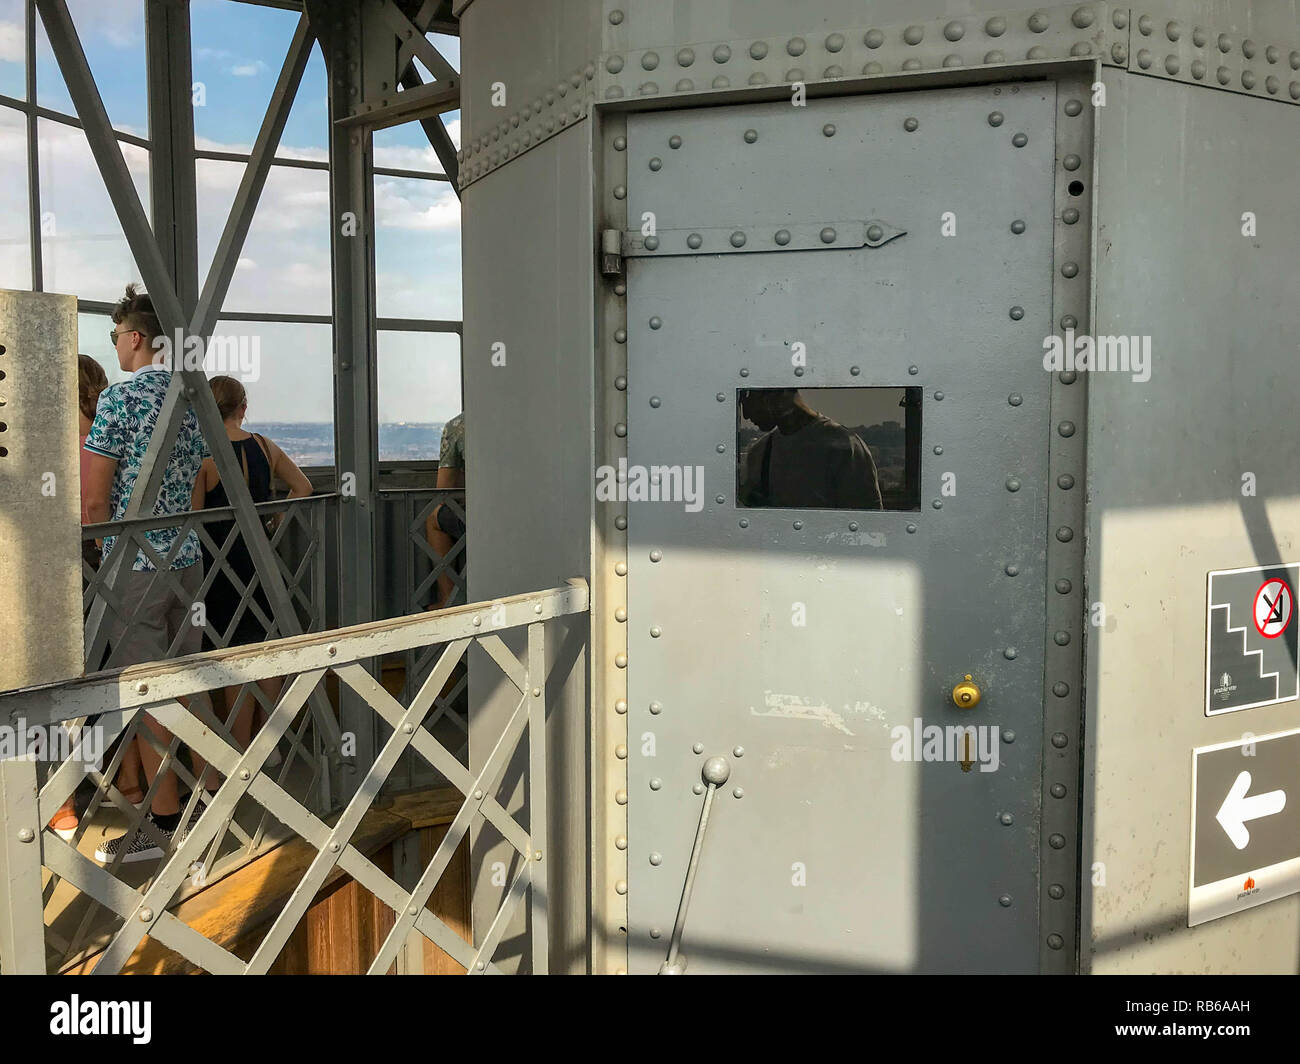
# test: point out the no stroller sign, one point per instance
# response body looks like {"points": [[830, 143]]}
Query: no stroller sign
{"points": [[1250, 638]]}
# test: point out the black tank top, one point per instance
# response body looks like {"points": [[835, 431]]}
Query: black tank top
{"points": [[257, 472]]}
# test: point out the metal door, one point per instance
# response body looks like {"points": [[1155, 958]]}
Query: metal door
{"points": [[895, 242]]}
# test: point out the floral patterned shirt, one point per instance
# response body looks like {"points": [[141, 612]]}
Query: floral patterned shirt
{"points": [[123, 425]]}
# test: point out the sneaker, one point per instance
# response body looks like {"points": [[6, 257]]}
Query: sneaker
{"points": [[142, 847]]}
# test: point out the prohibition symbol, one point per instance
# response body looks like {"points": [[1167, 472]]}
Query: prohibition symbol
{"points": [[1274, 604]]}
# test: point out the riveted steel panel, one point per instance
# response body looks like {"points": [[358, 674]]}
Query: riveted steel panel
{"points": [[908, 865], [1191, 471]]}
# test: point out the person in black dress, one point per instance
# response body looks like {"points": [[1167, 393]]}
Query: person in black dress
{"points": [[261, 461]]}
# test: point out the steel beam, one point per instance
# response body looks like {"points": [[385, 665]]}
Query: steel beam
{"points": [[172, 198]]}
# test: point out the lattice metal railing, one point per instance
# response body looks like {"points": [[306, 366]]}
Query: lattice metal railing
{"points": [[132, 910], [297, 533], [404, 514]]}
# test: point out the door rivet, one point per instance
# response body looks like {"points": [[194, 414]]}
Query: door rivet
{"points": [[1013, 570], [26, 835], [620, 706], [1018, 227], [1015, 399], [739, 792], [1007, 819], [1060, 688], [1008, 736], [656, 859], [739, 751], [995, 118], [1020, 140], [656, 708], [1011, 653], [782, 237], [1005, 901], [698, 748], [911, 125], [911, 528]]}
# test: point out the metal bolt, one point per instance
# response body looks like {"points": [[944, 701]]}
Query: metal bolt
{"points": [[537, 692], [911, 125], [751, 135], [335, 847], [656, 859], [1011, 653], [828, 130], [142, 688], [408, 728], [620, 706], [1020, 140], [537, 855], [478, 796], [1007, 819], [146, 915], [782, 237], [244, 774], [716, 771], [26, 835], [995, 118], [656, 555], [737, 239], [738, 751], [332, 650], [828, 235], [1005, 901], [620, 842], [698, 748]]}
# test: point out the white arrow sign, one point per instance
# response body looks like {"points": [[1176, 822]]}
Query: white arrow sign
{"points": [[1237, 809]]}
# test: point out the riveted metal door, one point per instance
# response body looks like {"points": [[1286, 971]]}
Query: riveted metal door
{"points": [[900, 244]]}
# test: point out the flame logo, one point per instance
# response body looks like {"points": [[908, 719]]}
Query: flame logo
{"points": [[1249, 884]]}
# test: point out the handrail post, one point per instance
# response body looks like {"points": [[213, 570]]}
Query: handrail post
{"points": [[537, 812], [22, 910]]}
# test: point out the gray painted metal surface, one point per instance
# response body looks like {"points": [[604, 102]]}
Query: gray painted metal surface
{"points": [[912, 866], [40, 530], [529, 286], [1179, 169]]}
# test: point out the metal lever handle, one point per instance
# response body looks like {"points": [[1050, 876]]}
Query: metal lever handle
{"points": [[715, 774]]}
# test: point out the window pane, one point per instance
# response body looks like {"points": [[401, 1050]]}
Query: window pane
{"points": [[285, 264], [217, 183], [13, 49], [92, 340], [306, 133], [15, 237], [417, 249], [112, 36], [829, 448], [237, 51], [84, 251], [405, 147], [419, 389], [288, 372]]}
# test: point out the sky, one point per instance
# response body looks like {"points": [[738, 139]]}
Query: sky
{"points": [[237, 53]]}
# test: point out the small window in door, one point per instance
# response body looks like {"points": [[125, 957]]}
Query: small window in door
{"points": [[828, 448]]}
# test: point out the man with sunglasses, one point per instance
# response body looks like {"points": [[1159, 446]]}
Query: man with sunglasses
{"points": [[155, 615]]}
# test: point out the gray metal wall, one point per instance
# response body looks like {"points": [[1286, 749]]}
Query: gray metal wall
{"points": [[1177, 161], [528, 284], [1178, 166]]}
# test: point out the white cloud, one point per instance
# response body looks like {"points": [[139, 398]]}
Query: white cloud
{"points": [[12, 43], [249, 69]]}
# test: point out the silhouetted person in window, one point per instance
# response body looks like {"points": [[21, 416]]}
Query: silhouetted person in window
{"points": [[804, 460]]}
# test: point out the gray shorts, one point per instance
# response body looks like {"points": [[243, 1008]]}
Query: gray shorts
{"points": [[155, 616]]}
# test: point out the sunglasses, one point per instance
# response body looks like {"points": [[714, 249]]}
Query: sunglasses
{"points": [[112, 336]]}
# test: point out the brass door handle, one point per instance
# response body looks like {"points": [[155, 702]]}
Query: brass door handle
{"points": [[966, 695]]}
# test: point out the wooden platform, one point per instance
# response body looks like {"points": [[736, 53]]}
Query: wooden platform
{"points": [[345, 926]]}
